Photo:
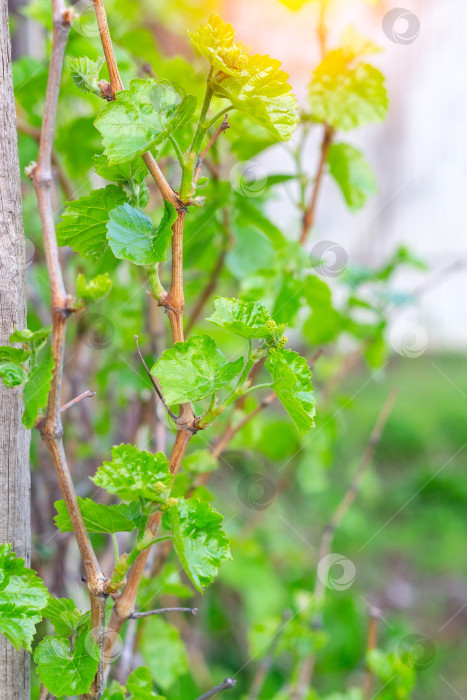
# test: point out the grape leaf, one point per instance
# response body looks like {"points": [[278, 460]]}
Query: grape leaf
{"points": [[16, 355], [352, 173], [27, 336], [36, 389], [12, 374], [22, 599], [132, 236], [84, 222], [63, 614], [85, 73], [193, 370], [253, 84], [98, 517], [198, 539], [89, 290], [292, 385], [139, 685], [133, 171], [248, 319], [133, 474], [345, 95], [64, 671], [142, 117]]}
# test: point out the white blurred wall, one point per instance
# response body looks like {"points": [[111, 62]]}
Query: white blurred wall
{"points": [[419, 155]]}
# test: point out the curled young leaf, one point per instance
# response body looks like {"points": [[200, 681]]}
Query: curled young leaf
{"points": [[132, 236], [248, 319], [292, 385], [194, 369], [253, 84], [85, 73], [133, 474], [198, 539]]}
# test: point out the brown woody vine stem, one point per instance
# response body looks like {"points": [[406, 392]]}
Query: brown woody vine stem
{"points": [[310, 213], [51, 427]]}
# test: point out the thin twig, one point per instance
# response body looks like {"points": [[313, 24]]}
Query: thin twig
{"points": [[199, 165], [85, 395], [208, 289], [153, 381], [51, 428], [225, 685], [305, 675], [161, 611], [310, 213], [372, 643]]}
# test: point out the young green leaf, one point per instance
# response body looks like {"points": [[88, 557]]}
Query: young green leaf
{"points": [[132, 236], [248, 319], [98, 517], [253, 84], [133, 474], [345, 95], [351, 171], [89, 290], [84, 222], [85, 73], [142, 117], [63, 614], [133, 171], [292, 384], [198, 539], [30, 337], [22, 599], [36, 389], [12, 374], [193, 370], [16, 355], [64, 671]]}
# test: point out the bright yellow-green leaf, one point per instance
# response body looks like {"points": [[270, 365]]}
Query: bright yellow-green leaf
{"points": [[253, 84]]}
